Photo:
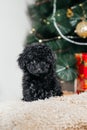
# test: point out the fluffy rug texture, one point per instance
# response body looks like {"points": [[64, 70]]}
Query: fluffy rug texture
{"points": [[59, 113]]}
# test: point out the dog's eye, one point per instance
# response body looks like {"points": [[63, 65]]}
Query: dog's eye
{"points": [[33, 62]]}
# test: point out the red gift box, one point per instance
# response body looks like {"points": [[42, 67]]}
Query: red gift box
{"points": [[84, 57], [80, 85], [81, 64]]}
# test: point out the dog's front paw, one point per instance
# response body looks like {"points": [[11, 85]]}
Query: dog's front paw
{"points": [[27, 99]]}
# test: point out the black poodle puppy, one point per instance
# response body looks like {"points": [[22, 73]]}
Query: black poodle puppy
{"points": [[39, 81]]}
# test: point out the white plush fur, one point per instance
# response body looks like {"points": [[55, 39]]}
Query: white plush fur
{"points": [[59, 113]]}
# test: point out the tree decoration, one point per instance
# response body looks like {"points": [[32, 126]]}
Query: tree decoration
{"points": [[58, 29], [81, 29], [69, 13]]}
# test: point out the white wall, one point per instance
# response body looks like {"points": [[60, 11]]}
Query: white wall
{"points": [[14, 26]]}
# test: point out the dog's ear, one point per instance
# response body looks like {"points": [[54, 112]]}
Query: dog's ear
{"points": [[23, 57], [21, 61]]}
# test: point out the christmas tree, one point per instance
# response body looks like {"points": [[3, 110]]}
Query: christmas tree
{"points": [[62, 25]]}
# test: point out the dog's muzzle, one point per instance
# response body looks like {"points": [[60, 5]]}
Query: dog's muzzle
{"points": [[38, 68]]}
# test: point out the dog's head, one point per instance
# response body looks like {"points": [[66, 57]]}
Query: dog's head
{"points": [[37, 59]]}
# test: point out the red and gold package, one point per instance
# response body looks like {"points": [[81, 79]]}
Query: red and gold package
{"points": [[81, 64], [80, 85], [84, 57]]}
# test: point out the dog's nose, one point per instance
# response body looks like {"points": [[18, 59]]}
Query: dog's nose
{"points": [[39, 70]]}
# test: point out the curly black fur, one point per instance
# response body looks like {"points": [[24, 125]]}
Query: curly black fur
{"points": [[39, 81]]}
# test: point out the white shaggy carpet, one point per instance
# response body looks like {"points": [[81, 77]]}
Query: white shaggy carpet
{"points": [[59, 113]]}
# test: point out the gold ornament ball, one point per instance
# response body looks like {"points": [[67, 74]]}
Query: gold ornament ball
{"points": [[81, 29]]}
